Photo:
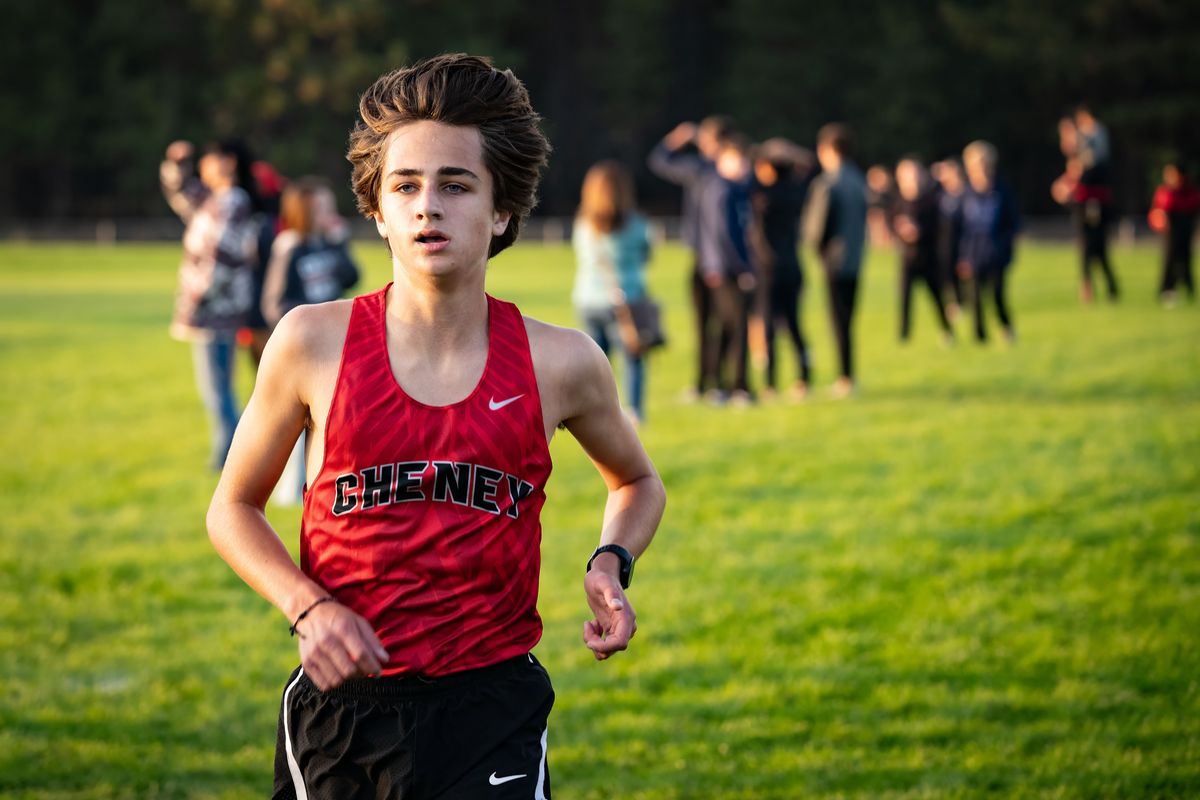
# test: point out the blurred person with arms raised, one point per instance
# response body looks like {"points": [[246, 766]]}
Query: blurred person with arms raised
{"points": [[1086, 188], [215, 199], [687, 157]]}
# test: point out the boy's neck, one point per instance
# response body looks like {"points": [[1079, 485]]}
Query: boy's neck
{"points": [[446, 308]]}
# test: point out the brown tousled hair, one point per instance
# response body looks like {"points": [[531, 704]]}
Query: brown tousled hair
{"points": [[455, 89], [607, 196]]}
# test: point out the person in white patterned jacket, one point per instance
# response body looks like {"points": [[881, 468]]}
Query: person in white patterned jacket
{"points": [[220, 252]]}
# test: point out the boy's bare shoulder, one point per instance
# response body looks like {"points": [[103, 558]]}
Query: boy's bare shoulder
{"points": [[573, 373], [564, 351], [313, 333]]}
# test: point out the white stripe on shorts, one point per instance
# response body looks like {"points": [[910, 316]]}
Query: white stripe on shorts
{"points": [[293, 766], [539, 791]]}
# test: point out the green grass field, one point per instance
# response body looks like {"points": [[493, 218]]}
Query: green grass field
{"points": [[980, 576]]}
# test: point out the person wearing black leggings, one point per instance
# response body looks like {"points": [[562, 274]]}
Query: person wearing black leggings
{"points": [[781, 175], [836, 223], [1173, 214], [1086, 187], [916, 223]]}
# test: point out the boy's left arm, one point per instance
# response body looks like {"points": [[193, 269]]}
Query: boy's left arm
{"points": [[578, 392]]}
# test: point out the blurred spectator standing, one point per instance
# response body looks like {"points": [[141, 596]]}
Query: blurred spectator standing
{"points": [[215, 290], [835, 224], [1173, 214]]}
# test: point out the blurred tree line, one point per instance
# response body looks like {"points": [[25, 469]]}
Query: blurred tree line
{"points": [[93, 91]]}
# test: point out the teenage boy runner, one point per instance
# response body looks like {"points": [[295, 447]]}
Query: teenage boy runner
{"points": [[429, 406]]}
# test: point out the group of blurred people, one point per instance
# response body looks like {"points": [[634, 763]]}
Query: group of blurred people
{"points": [[745, 207], [954, 224], [255, 245]]}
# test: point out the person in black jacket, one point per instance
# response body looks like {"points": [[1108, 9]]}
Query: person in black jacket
{"points": [[952, 185], [782, 172], [915, 222], [835, 222], [309, 263]]}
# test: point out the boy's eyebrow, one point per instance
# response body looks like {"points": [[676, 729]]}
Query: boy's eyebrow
{"points": [[445, 171]]}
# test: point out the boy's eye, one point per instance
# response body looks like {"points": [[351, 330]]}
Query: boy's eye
{"points": [[455, 188], [406, 188]]}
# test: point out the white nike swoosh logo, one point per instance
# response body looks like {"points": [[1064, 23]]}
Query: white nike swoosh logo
{"points": [[494, 406], [494, 781]]}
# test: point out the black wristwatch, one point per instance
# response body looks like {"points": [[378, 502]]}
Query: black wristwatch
{"points": [[626, 558]]}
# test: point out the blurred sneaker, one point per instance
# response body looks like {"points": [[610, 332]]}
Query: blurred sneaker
{"points": [[799, 392], [842, 388], [740, 398]]}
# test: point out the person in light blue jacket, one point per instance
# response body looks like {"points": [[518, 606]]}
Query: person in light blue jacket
{"points": [[612, 246]]}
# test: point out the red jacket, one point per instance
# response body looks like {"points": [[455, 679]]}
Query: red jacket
{"points": [[1173, 207]]}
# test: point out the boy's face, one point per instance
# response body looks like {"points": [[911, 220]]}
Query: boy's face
{"points": [[435, 199], [1171, 176]]}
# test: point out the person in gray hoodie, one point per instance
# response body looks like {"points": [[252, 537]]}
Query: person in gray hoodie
{"points": [[835, 224], [686, 157]]}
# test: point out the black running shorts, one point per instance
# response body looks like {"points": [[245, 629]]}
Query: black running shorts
{"points": [[474, 734]]}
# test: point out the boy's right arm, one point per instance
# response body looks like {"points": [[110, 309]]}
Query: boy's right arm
{"points": [[336, 643]]}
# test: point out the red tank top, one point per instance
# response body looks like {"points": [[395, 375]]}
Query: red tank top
{"points": [[426, 520]]}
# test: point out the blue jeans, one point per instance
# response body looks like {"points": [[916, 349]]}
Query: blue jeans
{"points": [[601, 325], [213, 362]]}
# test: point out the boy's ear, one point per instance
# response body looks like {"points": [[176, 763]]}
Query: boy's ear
{"points": [[500, 222], [379, 225]]}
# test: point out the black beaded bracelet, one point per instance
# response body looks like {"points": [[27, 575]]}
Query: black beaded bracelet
{"points": [[304, 613]]}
